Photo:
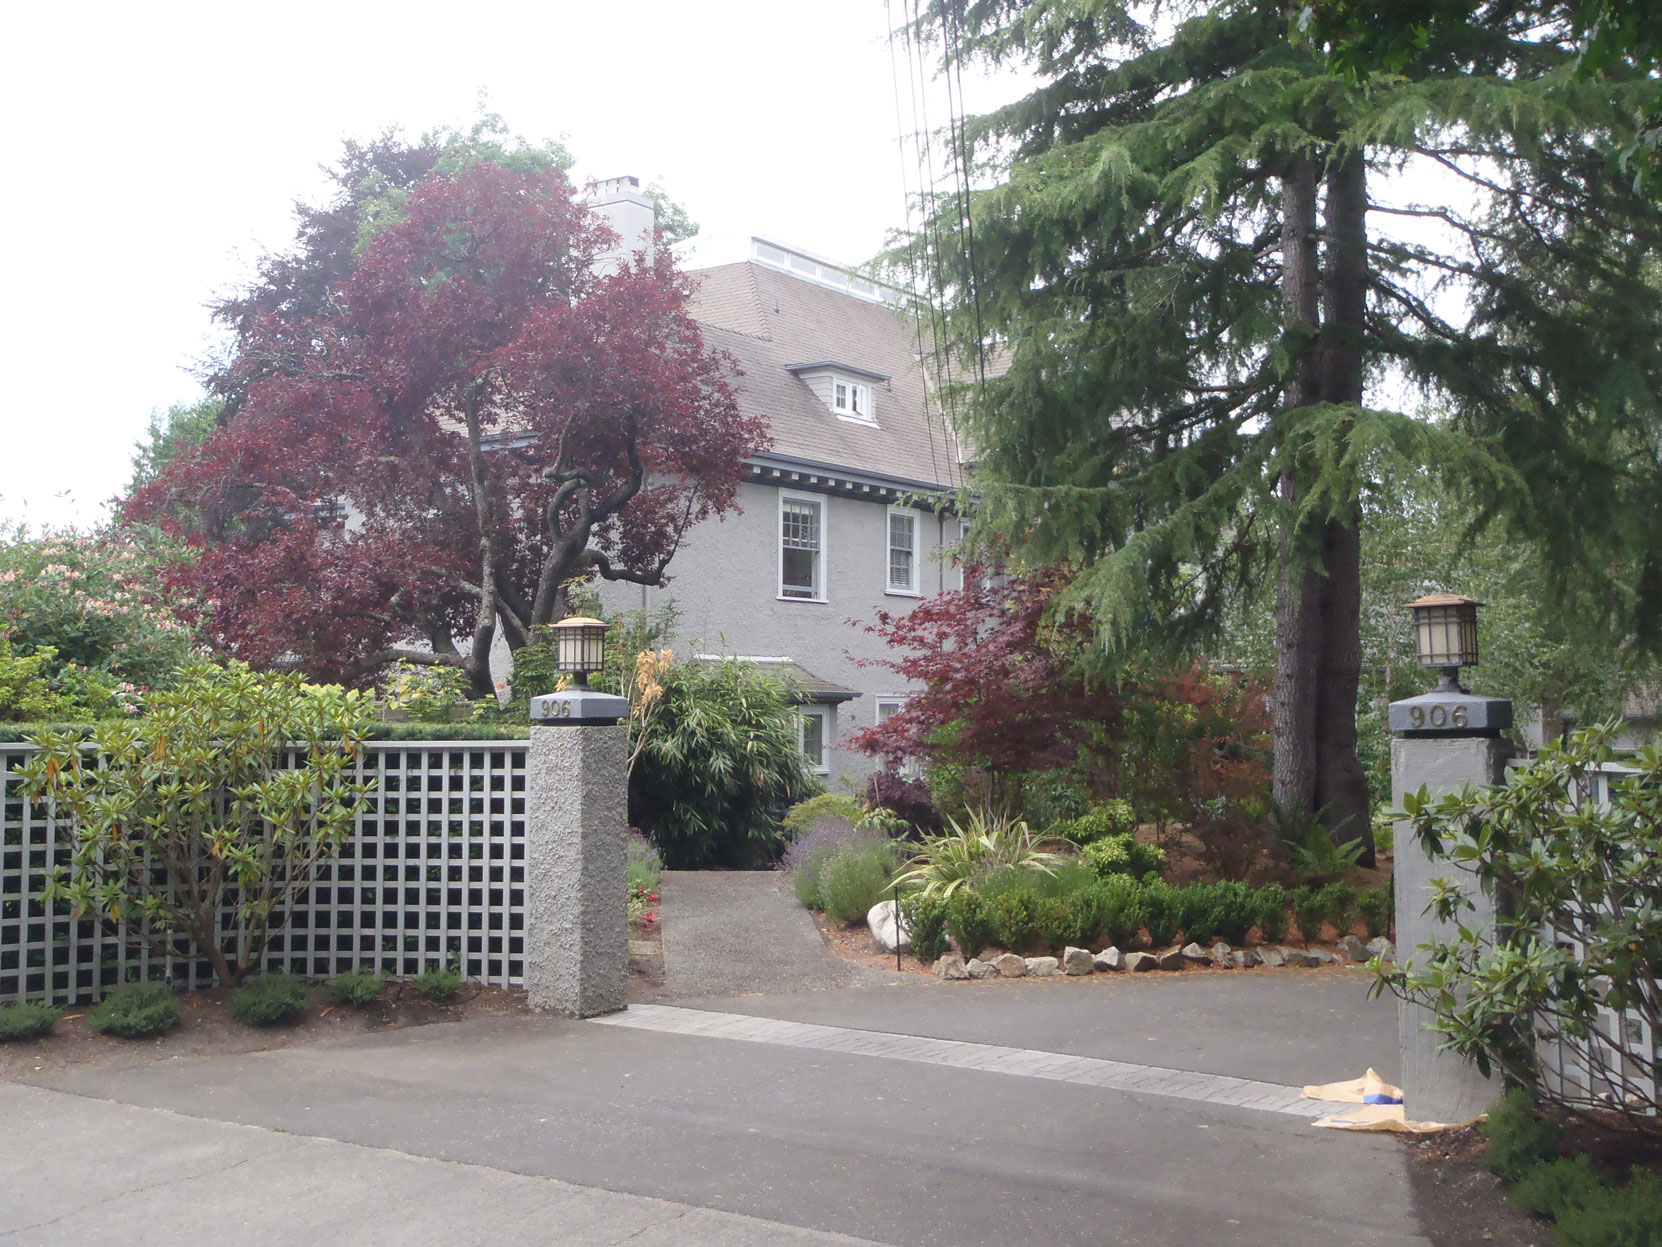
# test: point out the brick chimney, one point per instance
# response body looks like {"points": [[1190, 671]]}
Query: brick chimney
{"points": [[629, 212]]}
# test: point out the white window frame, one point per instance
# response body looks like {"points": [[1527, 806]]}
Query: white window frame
{"points": [[912, 588], [816, 500], [909, 767], [822, 764], [856, 405]]}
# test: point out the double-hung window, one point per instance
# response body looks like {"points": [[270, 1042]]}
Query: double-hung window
{"points": [[801, 548], [903, 551], [813, 731]]}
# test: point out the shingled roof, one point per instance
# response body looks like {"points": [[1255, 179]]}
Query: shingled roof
{"points": [[771, 321]]}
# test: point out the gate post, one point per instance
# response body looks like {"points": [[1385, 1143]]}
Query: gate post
{"points": [[576, 877], [1442, 741]]}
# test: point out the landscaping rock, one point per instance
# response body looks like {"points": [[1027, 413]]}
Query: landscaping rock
{"points": [[1308, 958], [1273, 956], [883, 923], [1244, 958], [1138, 962], [1223, 956], [1011, 966], [979, 969], [1043, 967], [1353, 949], [1109, 959], [1194, 952], [1382, 948], [1077, 961], [1171, 959], [951, 966]]}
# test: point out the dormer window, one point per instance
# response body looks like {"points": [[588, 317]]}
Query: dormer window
{"points": [[850, 392], [851, 399]]}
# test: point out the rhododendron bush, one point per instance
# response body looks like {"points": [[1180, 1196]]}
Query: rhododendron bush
{"points": [[87, 632]]}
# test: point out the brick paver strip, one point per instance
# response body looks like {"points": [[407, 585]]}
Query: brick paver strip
{"points": [[1177, 1084]]}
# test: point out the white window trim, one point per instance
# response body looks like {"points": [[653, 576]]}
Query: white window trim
{"points": [[913, 590], [823, 714], [818, 500], [846, 411], [911, 768], [958, 550]]}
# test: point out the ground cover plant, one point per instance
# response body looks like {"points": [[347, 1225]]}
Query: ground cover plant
{"points": [[136, 1011], [269, 999], [193, 807], [356, 988], [27, 1021], [439, 983], [644, 867]]}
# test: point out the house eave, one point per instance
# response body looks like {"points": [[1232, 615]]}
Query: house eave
{"points": [[828, 478]]}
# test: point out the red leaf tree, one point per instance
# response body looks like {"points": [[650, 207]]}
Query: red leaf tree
{"points": [[476, 417], [1003, 692]]}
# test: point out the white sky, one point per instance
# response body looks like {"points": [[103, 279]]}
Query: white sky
{"points": [[157, 149]]}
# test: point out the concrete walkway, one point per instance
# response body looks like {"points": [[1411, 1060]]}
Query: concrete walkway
{"points": [[728, 933]]}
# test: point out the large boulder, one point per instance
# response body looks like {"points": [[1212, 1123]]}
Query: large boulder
{"points": [[1077, 961], [1010, 966], [1222, 956], [1043, 967], [1171, 959], [951, 966], [1244, 958], [887, 927], [1138, 962], [1353, 948], [1273, 955], [1195, 953], [979, 969], [1109, 959], [1382, 948]]}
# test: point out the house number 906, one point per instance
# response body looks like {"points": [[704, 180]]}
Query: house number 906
{"points": [[559, 710], [1436, 717]]}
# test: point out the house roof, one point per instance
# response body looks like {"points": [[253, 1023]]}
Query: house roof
{"points": [[809, 689], [770, 321]]}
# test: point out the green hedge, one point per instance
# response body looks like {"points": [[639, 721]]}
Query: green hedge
{"points": [[13, 733]]}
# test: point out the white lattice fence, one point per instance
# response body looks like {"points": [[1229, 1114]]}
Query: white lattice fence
{"points": [[435, 871], [1594, 1070]]}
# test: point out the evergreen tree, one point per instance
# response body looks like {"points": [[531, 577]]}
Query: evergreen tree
{"points": [[1181, 254]]}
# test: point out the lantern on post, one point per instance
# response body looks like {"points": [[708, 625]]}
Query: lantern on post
{"points": [[1445, 634], [580, 647]]}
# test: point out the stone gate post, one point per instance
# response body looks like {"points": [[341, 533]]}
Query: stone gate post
{"points": [[576, 877]]}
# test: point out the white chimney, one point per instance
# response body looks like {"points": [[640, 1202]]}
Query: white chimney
{"points": [[629, 212]]}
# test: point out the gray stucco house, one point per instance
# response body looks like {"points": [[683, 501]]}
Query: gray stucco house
{"points": [[845, 515]]}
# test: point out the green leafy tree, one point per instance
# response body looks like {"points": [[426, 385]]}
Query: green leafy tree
{"points": [[190, 811], [173, 432], [1178, 246]]}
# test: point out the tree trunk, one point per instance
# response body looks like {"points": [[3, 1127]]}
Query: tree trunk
{"points": [[1341, 784], [1298, 593]]}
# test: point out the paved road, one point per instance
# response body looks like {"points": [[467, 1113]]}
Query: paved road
{"points": [[526, 1129]]}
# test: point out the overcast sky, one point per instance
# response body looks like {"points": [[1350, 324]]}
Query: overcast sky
{"points": [[157, 149]]}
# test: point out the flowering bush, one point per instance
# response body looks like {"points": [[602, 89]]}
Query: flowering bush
{"points": [[85, 605]]}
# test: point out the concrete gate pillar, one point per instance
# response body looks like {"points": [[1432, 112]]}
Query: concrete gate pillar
{"points": [[1442, 741], [576, 876]]}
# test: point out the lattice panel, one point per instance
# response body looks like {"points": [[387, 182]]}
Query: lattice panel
{"points": [[435, 871]]}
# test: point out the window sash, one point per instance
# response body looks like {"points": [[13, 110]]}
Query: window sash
{"points": [[810, 735], [903, 551], [799, 548]]}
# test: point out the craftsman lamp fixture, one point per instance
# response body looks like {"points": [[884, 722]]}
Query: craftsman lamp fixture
{"points": [[1445, 633], [580, 647]]}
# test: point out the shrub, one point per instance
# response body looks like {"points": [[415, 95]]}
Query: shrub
{"points": [[1519, 1138], [1123, 855], [1310, 912], [1014, 919], [1113, 818], [907, 798], [26, 1021], [190, 809], [1340, 902], [1159, 903], [439, 983], [1587, 873], [1310, 849], [806, 815], [1374, 904], [1121, 902], [854, 877], [1628, 1216], [948, 861], [1551, 1188], [355, 987], [136, 1011], [269, 999], [968, 922], [1069, 877], [425, 694], [925, 919], [719, 765], [1273, 918], [1210, 911], [1050, 922], [806, 858]]}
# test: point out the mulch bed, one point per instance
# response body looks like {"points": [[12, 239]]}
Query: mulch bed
{"points": [[1461, 1204]]}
